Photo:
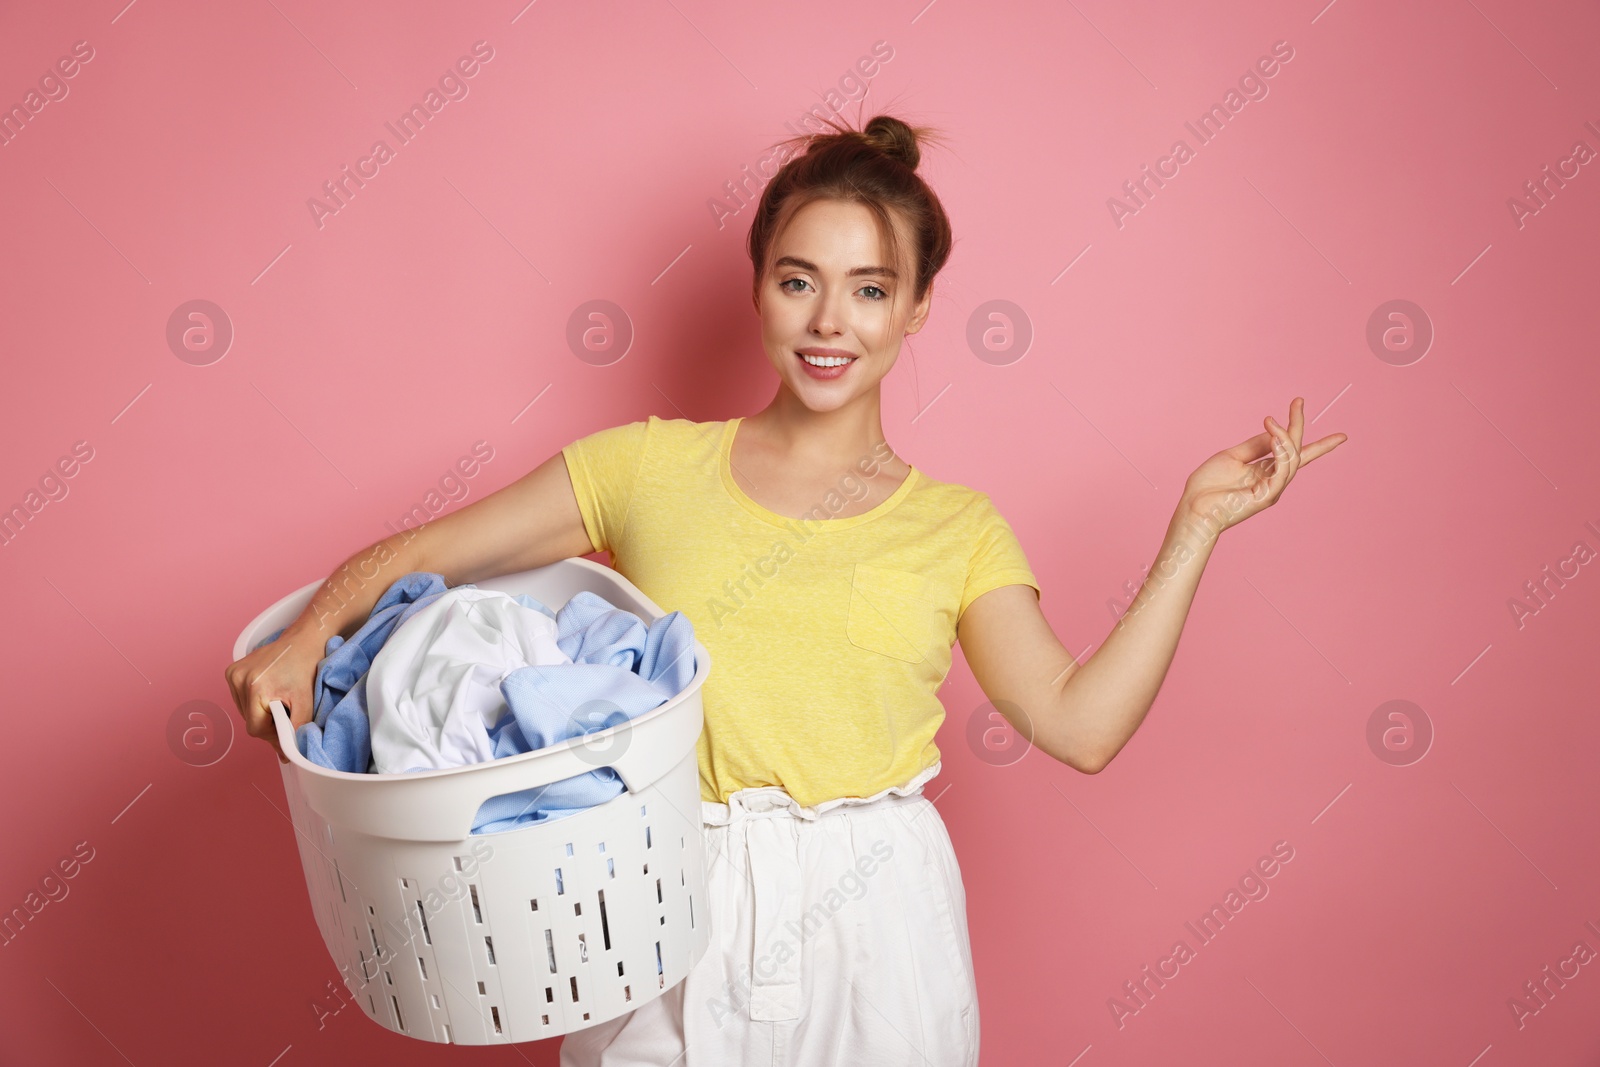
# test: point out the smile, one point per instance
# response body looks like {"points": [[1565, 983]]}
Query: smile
{"points": [[825, 368]]}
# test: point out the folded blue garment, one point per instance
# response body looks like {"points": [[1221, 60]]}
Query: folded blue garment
{"points": [[620, 669]]}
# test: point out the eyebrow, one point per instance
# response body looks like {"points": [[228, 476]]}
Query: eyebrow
{"points": [[803, 264]]}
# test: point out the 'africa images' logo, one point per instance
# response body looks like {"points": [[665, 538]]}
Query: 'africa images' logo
{"points": [[411, 122]]}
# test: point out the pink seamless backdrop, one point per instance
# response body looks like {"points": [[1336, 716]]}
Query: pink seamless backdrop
{"points": [[372, 348]]}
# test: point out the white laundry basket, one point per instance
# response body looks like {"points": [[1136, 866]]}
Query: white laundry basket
{"points": [[522, 935]]}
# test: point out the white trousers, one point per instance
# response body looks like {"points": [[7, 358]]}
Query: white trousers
{"points": [[839, 936]]}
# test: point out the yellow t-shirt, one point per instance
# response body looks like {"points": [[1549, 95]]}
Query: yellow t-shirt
{"points": [[829, 638]]}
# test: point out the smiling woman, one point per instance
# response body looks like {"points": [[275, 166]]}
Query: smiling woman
{"points": [[820, 719], [821, 716]]}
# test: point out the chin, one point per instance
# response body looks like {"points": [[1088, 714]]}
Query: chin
{"points": [[822, 400]]}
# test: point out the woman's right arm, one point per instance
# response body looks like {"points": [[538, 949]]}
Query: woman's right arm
{"points": [[530, 523]]}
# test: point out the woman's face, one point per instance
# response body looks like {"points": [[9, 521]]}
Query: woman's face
{"points": [[832, 286]]}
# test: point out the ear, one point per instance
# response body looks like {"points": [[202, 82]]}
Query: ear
{"points": [[919, 314]]}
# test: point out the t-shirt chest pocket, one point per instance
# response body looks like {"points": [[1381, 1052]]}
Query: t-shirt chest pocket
{"points": [[891, 612]]}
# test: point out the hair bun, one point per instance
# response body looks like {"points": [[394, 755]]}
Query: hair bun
{"points": [[894, 139], [875, 167]]}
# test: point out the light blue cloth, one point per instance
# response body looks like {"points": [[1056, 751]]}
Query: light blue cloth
{"points": [[620, 669], [340, 735]]}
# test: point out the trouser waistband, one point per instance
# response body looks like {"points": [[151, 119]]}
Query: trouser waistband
{"points": [[773, 800]]}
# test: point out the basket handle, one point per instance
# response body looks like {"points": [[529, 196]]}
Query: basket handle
{"points": [[440, 805]]}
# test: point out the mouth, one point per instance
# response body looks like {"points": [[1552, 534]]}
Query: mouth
{"points": [[825, 368]]}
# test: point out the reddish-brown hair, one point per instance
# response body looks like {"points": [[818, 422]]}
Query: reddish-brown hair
{"points": [[875, 166]]}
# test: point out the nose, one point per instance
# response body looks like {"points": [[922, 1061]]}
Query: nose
{"points": [[825, 317]]}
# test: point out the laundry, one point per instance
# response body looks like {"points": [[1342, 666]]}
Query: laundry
{"points": [[620, 669], [338, 737], [433, 691], [477, 675]]}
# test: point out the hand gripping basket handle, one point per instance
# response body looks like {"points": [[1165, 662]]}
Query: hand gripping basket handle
{"points": [[440, 805]]}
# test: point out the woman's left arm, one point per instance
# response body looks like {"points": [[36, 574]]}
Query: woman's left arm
{"points": [[1082, 714]]}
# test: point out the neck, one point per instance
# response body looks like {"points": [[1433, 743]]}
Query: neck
{"points": [[842, 436]]}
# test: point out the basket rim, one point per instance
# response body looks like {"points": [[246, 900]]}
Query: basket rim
{"points": [[291, 750]]}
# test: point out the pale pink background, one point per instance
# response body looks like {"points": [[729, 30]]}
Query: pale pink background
{"points": [[427, 314]]}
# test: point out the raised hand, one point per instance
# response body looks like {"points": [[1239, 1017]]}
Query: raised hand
{"points": [[1238, 482]]}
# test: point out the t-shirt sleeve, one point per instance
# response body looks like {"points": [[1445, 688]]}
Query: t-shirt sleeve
{"points": [[997, 557], [604, 467]]}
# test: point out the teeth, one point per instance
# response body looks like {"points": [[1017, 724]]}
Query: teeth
{"points": [[825, 361]]}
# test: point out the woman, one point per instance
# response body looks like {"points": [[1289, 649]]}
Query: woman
{"points": [[829, 579]]}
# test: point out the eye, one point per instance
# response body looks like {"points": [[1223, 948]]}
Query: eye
{"points": [[881, 293]]}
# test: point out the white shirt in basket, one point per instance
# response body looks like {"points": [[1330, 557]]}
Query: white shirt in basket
{"points": [[433, 691]]}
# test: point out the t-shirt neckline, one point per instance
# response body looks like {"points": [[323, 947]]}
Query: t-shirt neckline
{"points": [[725, 466]]}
